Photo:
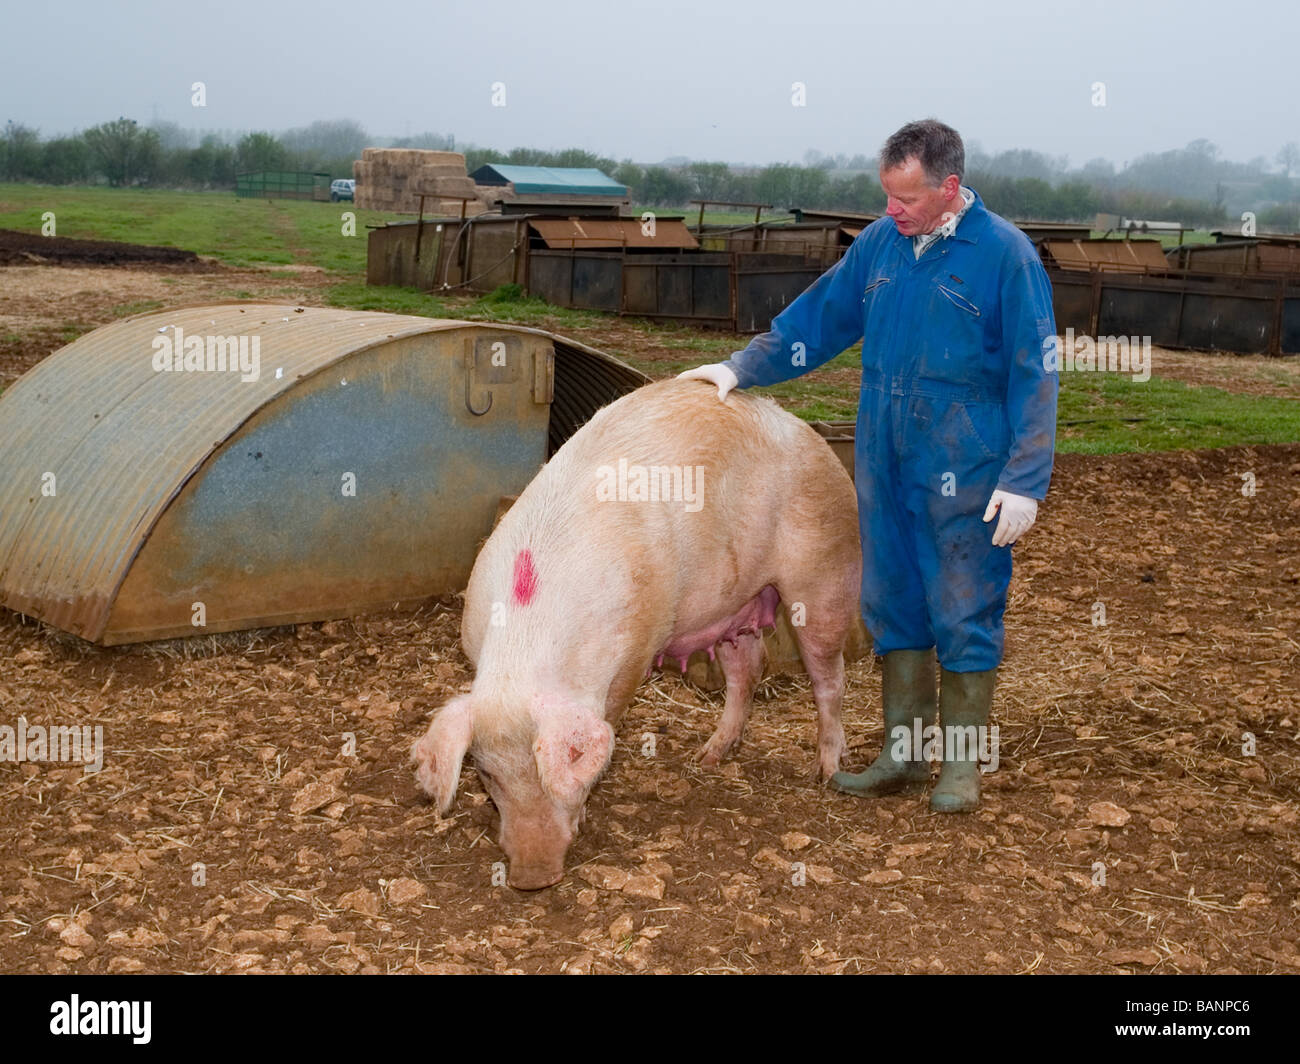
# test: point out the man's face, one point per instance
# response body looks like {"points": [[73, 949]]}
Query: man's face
{"points": [[915, 205]]}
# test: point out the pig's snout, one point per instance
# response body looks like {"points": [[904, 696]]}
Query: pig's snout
{"points": [[534, 878], [536, 848], [536, 862]]}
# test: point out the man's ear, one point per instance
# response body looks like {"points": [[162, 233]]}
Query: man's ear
{"points": [[439, 754]]}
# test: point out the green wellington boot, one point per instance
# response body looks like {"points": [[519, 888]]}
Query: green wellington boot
{"points": [[908, 696], [965, 699]]}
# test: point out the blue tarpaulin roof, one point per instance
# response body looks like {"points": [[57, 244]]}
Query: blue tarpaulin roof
{"points": [[585, 181]]}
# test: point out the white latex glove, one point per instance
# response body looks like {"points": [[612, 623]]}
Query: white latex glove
{"points": [[1018, 516], [714, 373]]}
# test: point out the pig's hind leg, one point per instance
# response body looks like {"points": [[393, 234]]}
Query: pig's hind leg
{"points": [[742, 665], [825, 666], [821, 647]]}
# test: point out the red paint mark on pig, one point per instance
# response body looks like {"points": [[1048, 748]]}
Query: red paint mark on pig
{"points": [[525, 578]]}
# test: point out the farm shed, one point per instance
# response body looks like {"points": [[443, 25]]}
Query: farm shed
{"points": [[1248, 256], [358, 466], [601, 264], [494, 249], [1038, 231], [1136, 256], [1133, 288], [1246, 314], [740, 277], [573, 185], [823, 241]]}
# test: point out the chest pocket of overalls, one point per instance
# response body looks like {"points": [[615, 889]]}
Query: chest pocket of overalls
{"points": [[951, 342], [878, 302]]}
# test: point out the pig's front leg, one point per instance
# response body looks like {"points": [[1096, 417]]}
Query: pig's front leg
{"points": [[742, 665]]}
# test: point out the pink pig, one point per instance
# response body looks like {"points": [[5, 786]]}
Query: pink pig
{"points": [[669, 523]]}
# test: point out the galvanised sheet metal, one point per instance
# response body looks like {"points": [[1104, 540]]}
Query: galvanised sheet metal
{"points": [[611, 233], [392, 256], [544, 179], [1136, 255], [690, 287], [585, 380], [369, 485], [98, 446], [1072, 299], [768, 282], [1238, 257], [1249, 314]]}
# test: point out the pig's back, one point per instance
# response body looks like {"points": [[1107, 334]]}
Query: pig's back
{"points": [[678, 422], [557, 559]]}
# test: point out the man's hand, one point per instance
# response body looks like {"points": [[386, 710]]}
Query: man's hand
{"points": [[1018, 516], [714, 373]]}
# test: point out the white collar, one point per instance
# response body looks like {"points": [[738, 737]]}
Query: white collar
{"points": [[923, 240]]}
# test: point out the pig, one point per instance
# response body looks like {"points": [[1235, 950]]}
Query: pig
{"points": [[669, 523]]}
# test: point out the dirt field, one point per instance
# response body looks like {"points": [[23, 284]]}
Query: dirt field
{"points": [[22, 248], [230, 831]]}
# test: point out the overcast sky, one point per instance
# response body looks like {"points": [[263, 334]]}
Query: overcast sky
{"points": [[709, 80]]}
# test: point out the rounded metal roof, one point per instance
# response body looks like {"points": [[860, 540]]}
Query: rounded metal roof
{"points": [[121, 438]]}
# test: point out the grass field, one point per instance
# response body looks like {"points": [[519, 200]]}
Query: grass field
{"points": [[1099, 413]]}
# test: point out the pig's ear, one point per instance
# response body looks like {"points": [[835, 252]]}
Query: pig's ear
{"points": [[573, 748], [439, 754]]}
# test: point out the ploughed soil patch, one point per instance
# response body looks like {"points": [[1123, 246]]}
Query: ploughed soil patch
{"points": [[42, 308], [18, 249], [256, 812]]}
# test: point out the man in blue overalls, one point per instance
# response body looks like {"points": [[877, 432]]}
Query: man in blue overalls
{"points": [[956, 426]]}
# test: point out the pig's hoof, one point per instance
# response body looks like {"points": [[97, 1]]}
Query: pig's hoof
{"points": [[424, 774], [712, 753]]}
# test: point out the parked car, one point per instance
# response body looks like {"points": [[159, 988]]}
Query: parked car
{"points": [[343, 189]]}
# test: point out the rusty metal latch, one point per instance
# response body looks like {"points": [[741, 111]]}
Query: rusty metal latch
{"points": [[470, 361]]}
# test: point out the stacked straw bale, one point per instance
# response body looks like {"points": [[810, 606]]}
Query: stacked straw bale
{"points": [[393, 179]]}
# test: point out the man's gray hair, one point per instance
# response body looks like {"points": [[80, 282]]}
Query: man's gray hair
{"points": [[938, 148]]}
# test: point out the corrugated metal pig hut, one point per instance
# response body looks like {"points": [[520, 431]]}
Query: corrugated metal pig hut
{"points": [[250, 464]]}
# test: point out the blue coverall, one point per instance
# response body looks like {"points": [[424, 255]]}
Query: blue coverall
{"points": [[956, 401]]}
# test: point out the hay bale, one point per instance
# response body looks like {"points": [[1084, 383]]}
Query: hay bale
{"points": [[395, 178], [431, 171], [452, 186], [452, 159], [445, 187]]}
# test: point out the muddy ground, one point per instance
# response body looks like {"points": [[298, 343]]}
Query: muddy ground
{"points": [[17, 248], [231, 830]]}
